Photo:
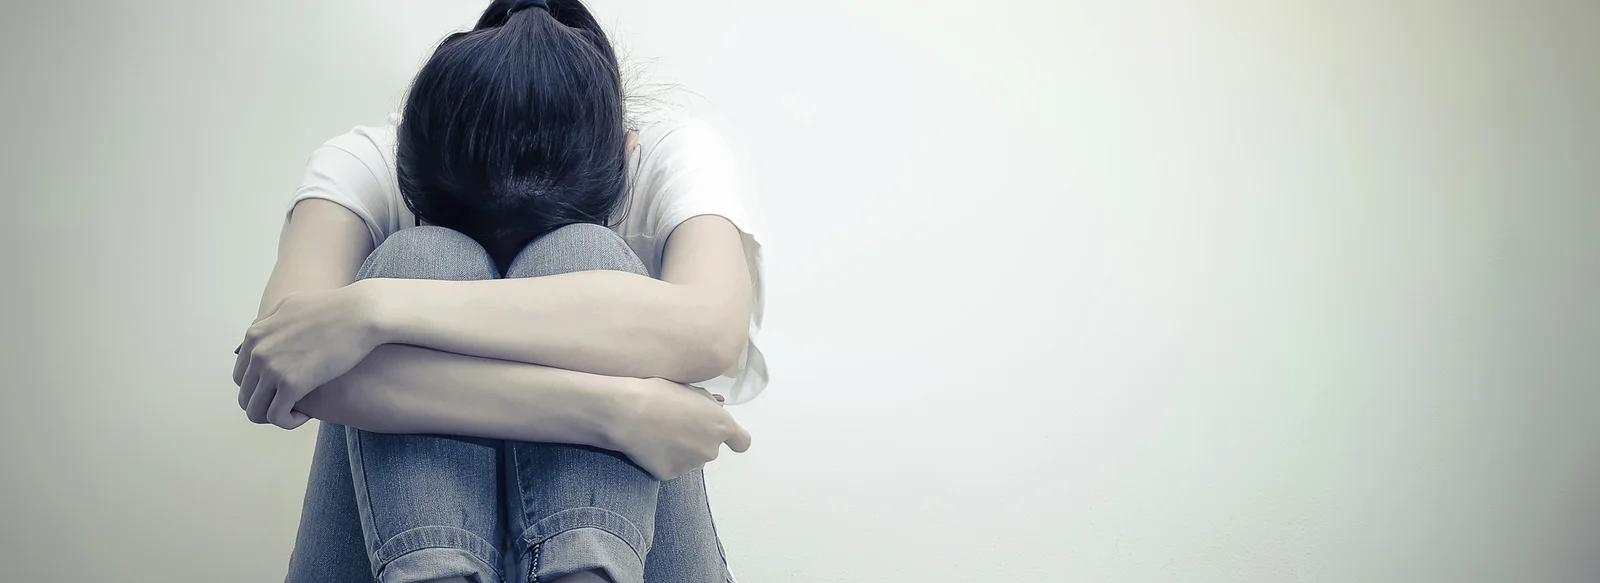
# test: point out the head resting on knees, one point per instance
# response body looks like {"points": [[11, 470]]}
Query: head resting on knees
{"points": [[516, 127]]}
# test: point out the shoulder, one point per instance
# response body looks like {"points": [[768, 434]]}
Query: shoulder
{"points": [[356, 170], [361, 162], [686, 169], [372, 145]]}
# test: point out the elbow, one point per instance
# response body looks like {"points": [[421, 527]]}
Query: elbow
{"points": [[717, 351], [708, 337]]}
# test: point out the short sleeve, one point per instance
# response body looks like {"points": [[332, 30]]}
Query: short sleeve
{"points": [[699, 177], [351, 171], [693, 173]]}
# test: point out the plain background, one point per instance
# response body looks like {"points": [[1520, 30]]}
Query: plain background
{"points": [[1060, 291]]}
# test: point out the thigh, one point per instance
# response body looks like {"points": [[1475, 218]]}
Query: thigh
{"points": [[328, 546]]}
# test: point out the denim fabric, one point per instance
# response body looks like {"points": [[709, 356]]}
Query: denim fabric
{"points": [[407, 508]]}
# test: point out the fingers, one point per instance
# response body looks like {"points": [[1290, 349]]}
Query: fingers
{"points": [[257, 409], [244, 398], [296, 419], [680, 472], [740, 442], [708, 394], [247, 388], [242, 363], [660, 472], [281, 411]]}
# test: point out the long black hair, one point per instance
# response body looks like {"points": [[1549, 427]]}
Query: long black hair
{"points": [[516, 127]]}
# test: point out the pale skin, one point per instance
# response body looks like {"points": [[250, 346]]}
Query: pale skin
{"points": [[595, 358]]}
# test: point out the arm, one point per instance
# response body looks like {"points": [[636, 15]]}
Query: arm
{"points": [[664, 427], [687, 327], [321, 251], [408, 389]]}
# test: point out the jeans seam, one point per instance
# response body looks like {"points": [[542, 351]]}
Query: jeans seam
{"points": [[715, 536], [581, 517], [533, 565], [369, 528]]}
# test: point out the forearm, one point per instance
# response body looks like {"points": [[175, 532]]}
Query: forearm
{"points": [[408, 389], [602, 322]]}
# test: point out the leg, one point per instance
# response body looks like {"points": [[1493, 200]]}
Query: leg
{"points": [[578, 512], [686, 547], [328, 546], [582, 512], [429, 505]]}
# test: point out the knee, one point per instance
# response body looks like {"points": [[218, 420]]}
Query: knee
{"points": [[428, 252], [576, 247]]}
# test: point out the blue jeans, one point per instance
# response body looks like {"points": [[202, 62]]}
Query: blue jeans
{"points": [[408, 508]]}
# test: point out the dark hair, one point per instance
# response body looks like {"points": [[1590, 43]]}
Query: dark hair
{"points": [[516, 128]]}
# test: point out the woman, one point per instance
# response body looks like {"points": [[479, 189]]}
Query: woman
{"points": [[498, 304]]}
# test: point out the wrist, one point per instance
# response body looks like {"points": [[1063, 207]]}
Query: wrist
{"points": [[620, 413]]}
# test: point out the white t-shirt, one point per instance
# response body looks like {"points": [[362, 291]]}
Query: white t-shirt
{"points": [[680, 169]]}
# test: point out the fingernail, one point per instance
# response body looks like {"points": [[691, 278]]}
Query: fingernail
{"points": [[718, 398]]}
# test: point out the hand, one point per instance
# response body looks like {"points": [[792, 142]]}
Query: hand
{"points": [[309, 339], [676, 429]]}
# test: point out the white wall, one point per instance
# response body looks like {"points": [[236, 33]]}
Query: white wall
{"points": [[1060, 291]]}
